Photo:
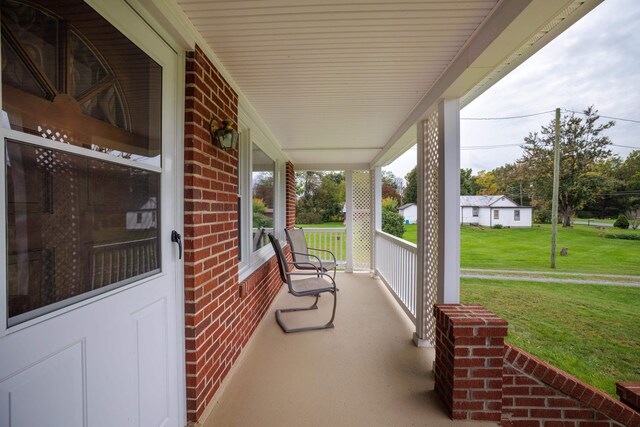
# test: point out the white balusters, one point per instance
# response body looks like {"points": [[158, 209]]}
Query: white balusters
{"points": [[396, 265]]}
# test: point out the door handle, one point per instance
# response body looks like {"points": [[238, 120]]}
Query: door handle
{"points": [[177, 238]]}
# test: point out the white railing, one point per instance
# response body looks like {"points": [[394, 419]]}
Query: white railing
{"points": [[396, 261], [114, 262], [330, 239]]}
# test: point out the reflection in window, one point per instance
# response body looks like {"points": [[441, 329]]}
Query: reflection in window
{"points": [[67, 71], [70, 236], [262, 178]]}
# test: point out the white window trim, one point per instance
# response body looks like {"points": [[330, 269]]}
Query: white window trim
{"points": [[250, 133]]}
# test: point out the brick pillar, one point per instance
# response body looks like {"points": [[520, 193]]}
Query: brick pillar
{"points": [[210, 235], [469, 361], [290, 195], [629, 393]]}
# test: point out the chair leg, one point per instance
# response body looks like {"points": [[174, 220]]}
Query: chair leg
{"points": [[327, 325]]}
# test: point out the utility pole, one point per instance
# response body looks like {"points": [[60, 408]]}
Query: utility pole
{"points": [[556, 187], [520, 194]]}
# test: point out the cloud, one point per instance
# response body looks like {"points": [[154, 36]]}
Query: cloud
{"points": [[594, 62]]}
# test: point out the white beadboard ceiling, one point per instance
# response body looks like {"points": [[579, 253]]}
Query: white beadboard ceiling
{"points": [[335, 79]]}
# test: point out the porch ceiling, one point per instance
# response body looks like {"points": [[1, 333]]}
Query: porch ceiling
{"points": [[336, 81]]}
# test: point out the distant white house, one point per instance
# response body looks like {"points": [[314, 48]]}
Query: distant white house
{"points": [[482, 210], [144, 218], [489, 211], [410, 212]]}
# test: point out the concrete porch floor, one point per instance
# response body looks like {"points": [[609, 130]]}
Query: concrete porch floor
{"points": [[364, 372]]}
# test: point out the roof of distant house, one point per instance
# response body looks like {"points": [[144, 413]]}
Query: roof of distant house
{"points": [[406, 205], [484, 201]]}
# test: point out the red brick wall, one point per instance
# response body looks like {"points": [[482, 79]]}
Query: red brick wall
{"points": [[220, 313], [468, 367], [291, 195], [478, 376], [538, 394]]}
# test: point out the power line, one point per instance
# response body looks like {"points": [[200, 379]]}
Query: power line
{"points": [[606, 117], [626, 146], [523, 116], [507, 117], [488, 147]]}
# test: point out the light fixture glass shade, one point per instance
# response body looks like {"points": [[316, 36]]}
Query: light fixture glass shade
{"points": [[226, 136]]}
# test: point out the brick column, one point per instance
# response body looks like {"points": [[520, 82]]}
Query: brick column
{"points": [[629, 393], [469, 361], [290, 195]]}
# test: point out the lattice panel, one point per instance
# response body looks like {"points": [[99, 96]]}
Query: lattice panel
{"points": [[361, 220], [62, 269], [430, 229]]}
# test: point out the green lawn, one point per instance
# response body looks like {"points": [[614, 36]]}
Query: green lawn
{"points": [[528, 249], [336, 243], [590, 331]]}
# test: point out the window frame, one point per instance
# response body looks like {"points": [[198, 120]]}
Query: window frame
{"points": [[516, 215], [496, 214], [475, 211], [251, 133]]}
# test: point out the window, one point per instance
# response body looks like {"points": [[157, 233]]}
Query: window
{"points": [[496, 214], [475, 210], [77, 225], [516, 215], [261, 201], [262, 191]]}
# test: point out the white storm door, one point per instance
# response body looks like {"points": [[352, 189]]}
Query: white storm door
{"points": [[89, 318]]}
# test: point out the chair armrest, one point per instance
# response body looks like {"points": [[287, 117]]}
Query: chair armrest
{"points": [[324, 250], [297, 264], [308, 255]]}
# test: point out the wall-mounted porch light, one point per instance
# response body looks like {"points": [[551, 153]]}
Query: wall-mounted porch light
{"points": [[225, 135]]}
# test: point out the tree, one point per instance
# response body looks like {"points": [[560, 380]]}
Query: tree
{"points": [[468, 184], [486, 183], [582, 145], [411, 190], [391, 186], [321, 197]]}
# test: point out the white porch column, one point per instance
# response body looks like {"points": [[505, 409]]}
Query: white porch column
{"points": [[348, 175], [448, 202], [376, 212], [438, 179]]}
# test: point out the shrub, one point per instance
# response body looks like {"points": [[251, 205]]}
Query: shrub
{"points": [[308, 217], [621, 222], [498, 226], [389, 204], [542, 216], [392, 223], [623, 236]]}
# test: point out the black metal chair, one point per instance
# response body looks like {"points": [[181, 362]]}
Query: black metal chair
{"points": [[303, 259], [315, 283]]}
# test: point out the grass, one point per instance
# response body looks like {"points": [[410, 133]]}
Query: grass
{"points": [[590, 331], [528, 249]]}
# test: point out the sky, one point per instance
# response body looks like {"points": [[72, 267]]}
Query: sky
{"points": [[594, 62]]}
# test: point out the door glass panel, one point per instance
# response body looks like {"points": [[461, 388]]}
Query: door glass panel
{"points": [[67, 71], [76, 227]]}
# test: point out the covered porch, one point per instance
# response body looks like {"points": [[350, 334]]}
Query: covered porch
{"points": [[366, 371]]}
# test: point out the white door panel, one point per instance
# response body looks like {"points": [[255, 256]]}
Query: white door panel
{"points": [[91, 359]]}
